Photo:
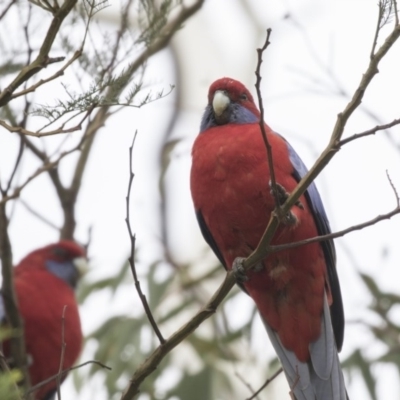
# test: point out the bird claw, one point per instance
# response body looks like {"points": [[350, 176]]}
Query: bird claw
{"points": [[280, 193], [239, 271]]}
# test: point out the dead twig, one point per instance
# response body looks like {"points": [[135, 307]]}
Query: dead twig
{"points": [[65, 372], [41, 60], [266, 383], [268, 147], [63, 346], [132, 238], [369, 132]]}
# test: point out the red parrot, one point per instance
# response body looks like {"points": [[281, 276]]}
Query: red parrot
{"points": [[297, 290], [44, 283]]}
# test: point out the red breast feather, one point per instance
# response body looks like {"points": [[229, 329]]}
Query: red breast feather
{"points": [[230, 186]]}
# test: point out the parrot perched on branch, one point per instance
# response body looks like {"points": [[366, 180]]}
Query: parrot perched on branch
{"points": [[296, 290], [44, 284]]}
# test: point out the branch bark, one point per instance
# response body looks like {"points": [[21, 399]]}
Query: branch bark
{"points": [[42, 59], [17, 342]]}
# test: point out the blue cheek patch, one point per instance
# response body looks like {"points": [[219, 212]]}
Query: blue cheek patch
{"points": [[237, 115], [63, 270]]}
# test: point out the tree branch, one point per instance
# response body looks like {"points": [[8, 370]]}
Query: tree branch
{"points": [[268, 147], [42, 59], [335, 235], [332, 148], [17, 342], [59, 73], [369, 132], [266, 383], [132, 238], [65, 372]]}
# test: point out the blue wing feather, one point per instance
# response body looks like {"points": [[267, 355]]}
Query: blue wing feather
{"points": [[321, 220]]}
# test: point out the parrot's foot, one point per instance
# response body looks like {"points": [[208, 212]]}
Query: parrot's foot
{"points": [[282, 195], [239, 271]]}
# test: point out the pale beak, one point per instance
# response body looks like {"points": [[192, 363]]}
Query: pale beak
{"points": [[220, 102], [82, 265]]}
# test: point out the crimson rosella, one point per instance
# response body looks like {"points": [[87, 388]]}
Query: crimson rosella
{"points": [[44, 283], [297, 290]]}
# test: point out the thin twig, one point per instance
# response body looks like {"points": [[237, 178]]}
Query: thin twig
{"points": [[132, 255], [56, 75], [262, 123], [371, 131], [23, 131], [335, 235], [47, 166], [245, 383], [266, 383], [6, 9], [4, 368], [38, 215], [40, 62], [14, 171], [377, 29], [17, 343], [396, 194], [62, 356], [65, 372]]}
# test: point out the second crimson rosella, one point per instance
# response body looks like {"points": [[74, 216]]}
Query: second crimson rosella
{"points": [[297, 290], [44, 283]]}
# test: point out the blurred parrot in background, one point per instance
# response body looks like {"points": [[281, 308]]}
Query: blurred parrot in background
{"points": [[296, 290], [44, 283]]}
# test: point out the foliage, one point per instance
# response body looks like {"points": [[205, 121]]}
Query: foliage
{"points": [[8, 385]]}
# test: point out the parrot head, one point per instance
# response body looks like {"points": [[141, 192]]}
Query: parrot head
{"points": [[229, 102], [65, 259]]}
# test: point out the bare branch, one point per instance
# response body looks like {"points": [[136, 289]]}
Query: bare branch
{"points": [[132, 256], [43, 57], [396, 194], [10, 299], [38, 215], [63, 346], [369, 132], [6, 370], [59, 73], [23, 131], [6, 9], [245, 383], [47, 166], [65, 372], [266, 383], [373, 221], [14, 171], [262, 123]]}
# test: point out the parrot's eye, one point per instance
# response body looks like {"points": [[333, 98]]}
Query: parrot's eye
{"points": [[60, 252], [243, 96]]}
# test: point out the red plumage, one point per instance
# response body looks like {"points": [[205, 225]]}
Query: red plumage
{"points": [[42, 297], [230, 185], [230, 178]]}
